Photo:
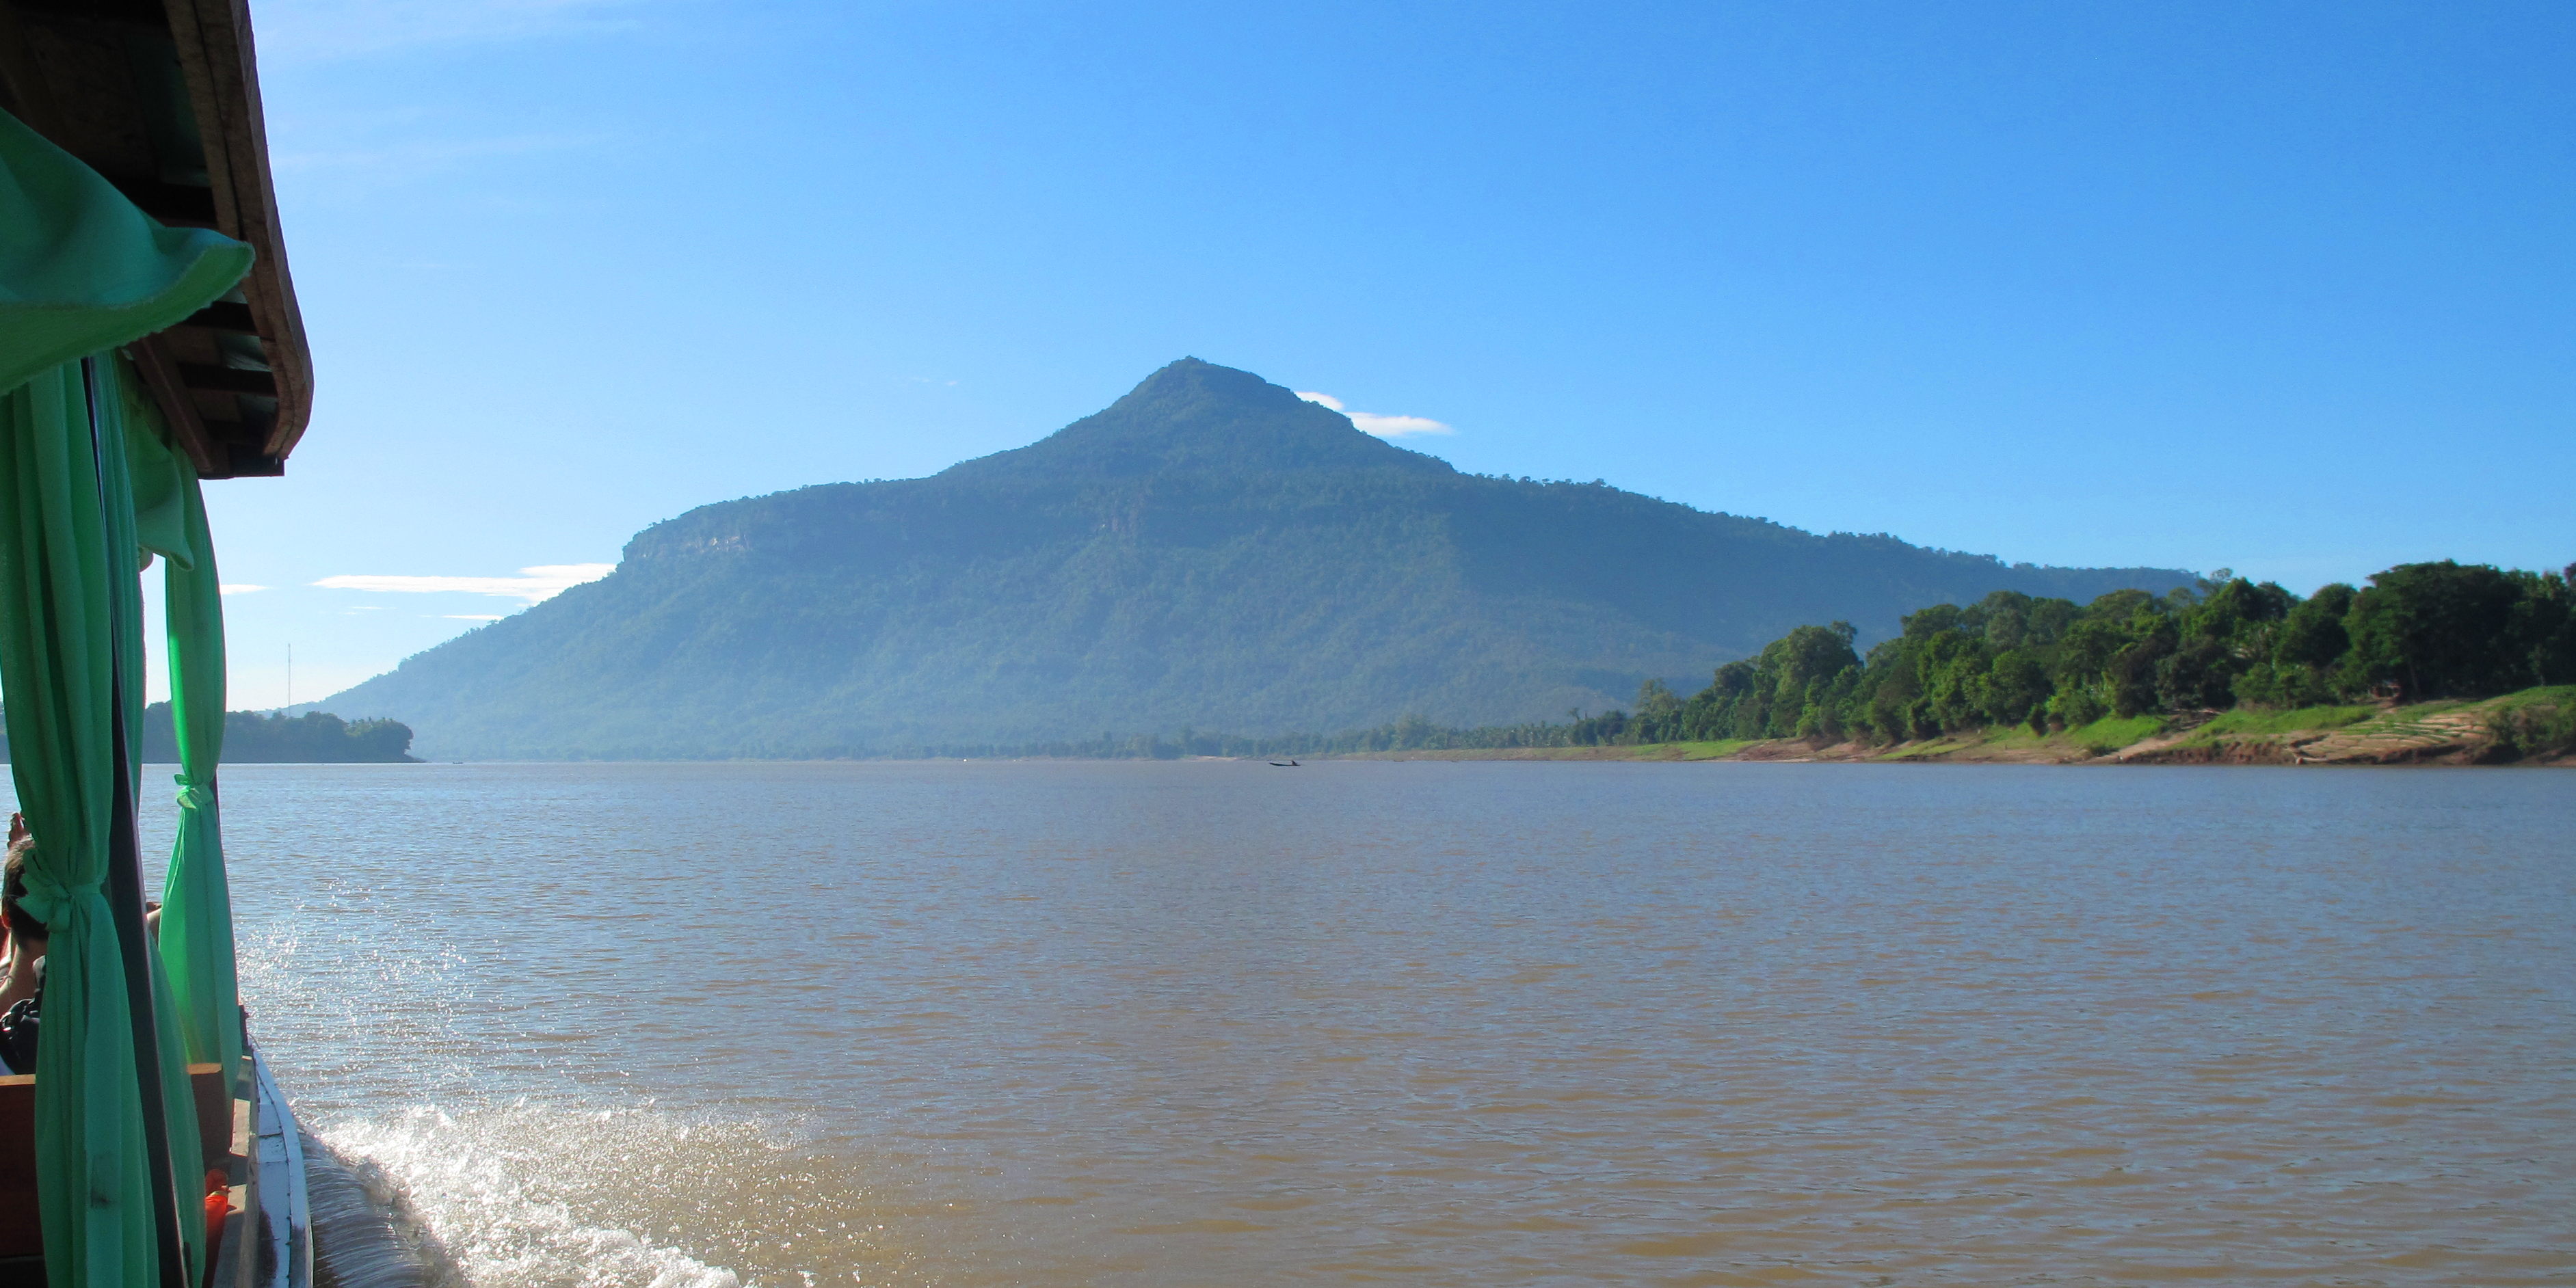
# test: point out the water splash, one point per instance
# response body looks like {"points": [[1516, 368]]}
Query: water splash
{"points": [[366, 1234], [511, 1198]]}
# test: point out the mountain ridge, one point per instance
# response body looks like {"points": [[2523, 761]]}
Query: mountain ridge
{"points": [[1209, 550]]}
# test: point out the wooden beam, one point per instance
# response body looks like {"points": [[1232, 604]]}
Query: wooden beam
{"points": [[221, 66], [161, 376], [144, 13], [19, 77], [230, 380], [252, 463], [224, 315], [175, 204]]}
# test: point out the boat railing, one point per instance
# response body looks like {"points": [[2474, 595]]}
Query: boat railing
{"points": [[278, 1204]]}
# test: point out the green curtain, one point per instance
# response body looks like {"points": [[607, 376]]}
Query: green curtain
{"points": [[65, 562], [81, 271], [196, 903], [128, 425]]}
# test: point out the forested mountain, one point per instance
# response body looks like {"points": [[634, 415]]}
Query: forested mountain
{"points": [[1210, 551]]}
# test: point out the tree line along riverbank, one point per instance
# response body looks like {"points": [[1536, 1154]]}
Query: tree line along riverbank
{"points": [[2427, 662], [255, 737], [2443, 732]]}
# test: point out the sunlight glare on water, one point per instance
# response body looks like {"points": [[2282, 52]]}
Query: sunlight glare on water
{"points": [[1193, 1023]]}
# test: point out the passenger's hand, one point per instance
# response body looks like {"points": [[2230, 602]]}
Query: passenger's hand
{"points": [[17, 828]]}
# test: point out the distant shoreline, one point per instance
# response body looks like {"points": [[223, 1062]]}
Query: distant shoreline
{"points": [[2429, 733]]}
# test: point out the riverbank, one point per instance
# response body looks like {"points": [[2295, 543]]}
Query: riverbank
{"points": [[2422, 733]]}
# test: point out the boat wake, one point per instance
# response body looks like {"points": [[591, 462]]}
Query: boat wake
{"points": [[365, 1232], [522, 1197]]}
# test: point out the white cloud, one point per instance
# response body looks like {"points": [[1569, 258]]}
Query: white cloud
{"points": [[240, 588], [1369, 422], [471, 617], [1397, 426], [535, 584]]}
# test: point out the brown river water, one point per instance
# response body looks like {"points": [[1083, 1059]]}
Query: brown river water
{"points": [[1431, 1023]]}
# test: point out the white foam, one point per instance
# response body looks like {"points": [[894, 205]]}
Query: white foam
{"points": [[493, 1194]]}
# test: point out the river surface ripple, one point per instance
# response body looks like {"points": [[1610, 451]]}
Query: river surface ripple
{"points": [[1487, 1023]]}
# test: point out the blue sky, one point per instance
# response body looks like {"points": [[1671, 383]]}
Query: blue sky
{"points": [[2277, 287]]}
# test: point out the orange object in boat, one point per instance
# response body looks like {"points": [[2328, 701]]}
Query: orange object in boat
{"points": [[219, 1204]]}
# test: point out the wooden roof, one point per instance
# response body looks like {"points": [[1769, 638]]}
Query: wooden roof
{"points": [[162, 98]]}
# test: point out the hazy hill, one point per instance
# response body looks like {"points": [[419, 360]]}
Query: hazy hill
{"points": [[1210, 551]]}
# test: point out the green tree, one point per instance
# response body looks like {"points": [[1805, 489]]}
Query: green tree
{"points": [[2016, 688], [2436, 629], [2307, 648], [2542, 635], [1797, 667], [1659, 710], [2218, 638]]}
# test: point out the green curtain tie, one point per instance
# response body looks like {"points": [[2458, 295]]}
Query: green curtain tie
{"points": [[48, 898], [192, 794]]}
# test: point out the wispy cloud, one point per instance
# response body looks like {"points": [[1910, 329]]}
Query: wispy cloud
{"points": [[534, 584], [240, 588], [471, 617], [323, 30], [1369, 422]]}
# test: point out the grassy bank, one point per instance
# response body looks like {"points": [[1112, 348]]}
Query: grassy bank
{"points": [[2535, 726]]}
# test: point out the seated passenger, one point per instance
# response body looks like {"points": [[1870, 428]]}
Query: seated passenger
{"points": [[22, 987]]}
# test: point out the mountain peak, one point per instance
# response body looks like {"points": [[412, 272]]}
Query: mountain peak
{"points": [[1196, 417], [1210, 551], [1197, 377]]}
